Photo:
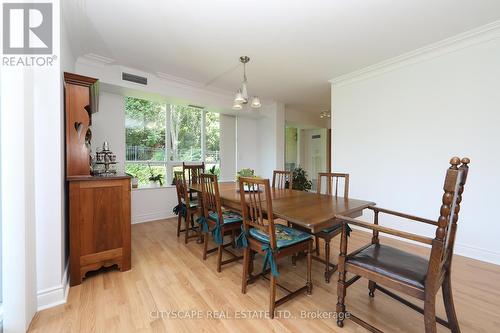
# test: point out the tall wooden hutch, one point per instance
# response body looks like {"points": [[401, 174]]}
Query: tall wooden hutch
{"points": [[99, 207]]}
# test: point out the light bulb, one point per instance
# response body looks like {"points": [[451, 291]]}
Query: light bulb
{"points": [[255, 102], [238, 98]]}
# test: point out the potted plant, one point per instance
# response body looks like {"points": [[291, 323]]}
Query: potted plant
{"points": [[248, 173], [300, 181], [155, 178], [133, 180], [245, 173]]}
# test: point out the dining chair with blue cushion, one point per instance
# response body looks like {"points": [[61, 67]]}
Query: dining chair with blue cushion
{"points": [[186, 208], [274, 241], [329, 183], [217, 221]]}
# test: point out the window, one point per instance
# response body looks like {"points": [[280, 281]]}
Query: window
{"points": [[159, 137]]}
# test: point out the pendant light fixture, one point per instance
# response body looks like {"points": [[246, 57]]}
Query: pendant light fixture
{"points": [[241, 98]]}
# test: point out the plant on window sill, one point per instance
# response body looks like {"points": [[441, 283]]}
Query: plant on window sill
{"points": [[155, 178]]}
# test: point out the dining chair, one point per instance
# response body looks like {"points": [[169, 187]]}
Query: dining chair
{"points": [[186, 207], [221, 222], [332, 185], [274, 241], [282, 179], [193, 172], [403, 271]]}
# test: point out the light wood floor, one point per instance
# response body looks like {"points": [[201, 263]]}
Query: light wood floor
{"points": [[167, 276]]}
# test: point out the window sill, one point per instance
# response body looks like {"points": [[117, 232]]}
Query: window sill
{"points": [[148, 187]]}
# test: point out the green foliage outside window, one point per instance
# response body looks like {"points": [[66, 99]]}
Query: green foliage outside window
{"points": [[145, 132]]}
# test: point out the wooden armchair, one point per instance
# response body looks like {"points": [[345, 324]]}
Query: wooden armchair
{"points": [[406, 272], [220, 222], [282, 179], [272, 240], [186, 207]]}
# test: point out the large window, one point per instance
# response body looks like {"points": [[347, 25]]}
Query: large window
{"points": [[159, 137]]}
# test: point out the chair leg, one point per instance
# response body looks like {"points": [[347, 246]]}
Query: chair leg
{"points": [[316, 242], [371, 288], [199, 238], [327, 260], [233, 239], [188, 226], [205, 245], [341, 291], [250, 265], [246, 261], [272, 296], [430, 313], [309, 269], [179, 221], [449, 305], [220, 248]]}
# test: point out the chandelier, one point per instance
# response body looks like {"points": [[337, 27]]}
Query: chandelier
{"points": [[241, 98]]}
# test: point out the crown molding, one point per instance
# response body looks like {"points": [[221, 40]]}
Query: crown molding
{"points": [[98, 58], [172, 79], [472, 37]]}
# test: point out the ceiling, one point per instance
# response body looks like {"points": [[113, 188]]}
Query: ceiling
{"points": [[295, 46]]}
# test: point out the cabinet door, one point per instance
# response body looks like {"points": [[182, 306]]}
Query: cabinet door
{"points": [[101, 219]]}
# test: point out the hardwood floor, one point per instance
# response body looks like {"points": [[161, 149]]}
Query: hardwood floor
{"points": [[169, 278]]}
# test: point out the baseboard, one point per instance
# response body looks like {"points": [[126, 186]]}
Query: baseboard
{"points": [[152, 216], [477, 253], [51, 297]]}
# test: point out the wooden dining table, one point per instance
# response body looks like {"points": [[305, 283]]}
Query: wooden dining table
{"points": [[309, 210]]}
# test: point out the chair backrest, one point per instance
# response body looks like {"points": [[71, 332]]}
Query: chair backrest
{"points": [[282, 179], [454, 183], [181, 187], [193, 172], [210, 195], [257, 207], [332, 183]]}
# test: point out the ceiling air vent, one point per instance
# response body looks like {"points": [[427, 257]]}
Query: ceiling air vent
{"points": [[134, 78]]}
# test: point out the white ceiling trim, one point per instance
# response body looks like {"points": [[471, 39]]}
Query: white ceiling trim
{"points": [[99, 58], [192, 84], [475, 36]]}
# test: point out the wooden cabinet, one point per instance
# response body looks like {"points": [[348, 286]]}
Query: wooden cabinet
{"points": [[99, 207], [99, 213]]}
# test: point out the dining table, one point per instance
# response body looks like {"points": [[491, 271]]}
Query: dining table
{"points": [[309, 210]]}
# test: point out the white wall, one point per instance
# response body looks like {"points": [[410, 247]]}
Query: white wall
{"points": [[32, 187], [227, 147], [109, 125], [150, 204], [396, 125], [261, 140], [247, 148], [51, 233]]}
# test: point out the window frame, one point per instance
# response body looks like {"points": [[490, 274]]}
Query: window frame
{"points": [[168, 162]]}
